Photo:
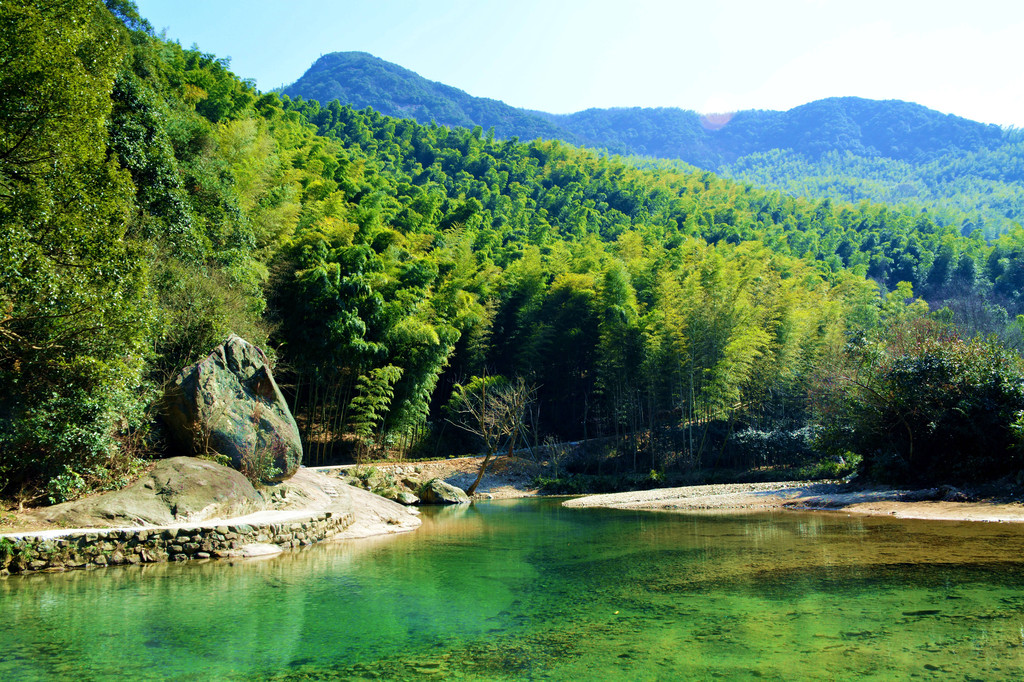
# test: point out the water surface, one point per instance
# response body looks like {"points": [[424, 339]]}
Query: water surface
{"points": [[526, 589]]}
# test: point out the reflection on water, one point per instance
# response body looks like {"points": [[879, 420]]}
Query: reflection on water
{"points": [[527, 589]]}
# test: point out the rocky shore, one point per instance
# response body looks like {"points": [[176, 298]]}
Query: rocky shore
{"points": [[191, 509], [186, 508], [95, 547]]}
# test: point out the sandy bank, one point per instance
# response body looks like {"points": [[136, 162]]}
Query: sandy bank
{"points": [[806, 496]]}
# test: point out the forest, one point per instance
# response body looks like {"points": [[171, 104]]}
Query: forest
{"points": [[963, 173], [153, 203]]}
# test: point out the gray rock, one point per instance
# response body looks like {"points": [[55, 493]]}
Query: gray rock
{"points": [[230, 404], [406, 498], [175, 490], [439, 492]]}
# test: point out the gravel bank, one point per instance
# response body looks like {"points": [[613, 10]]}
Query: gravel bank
{"points": [[714, 496], [935, 504]]}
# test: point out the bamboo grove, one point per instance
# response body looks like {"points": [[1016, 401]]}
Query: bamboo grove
{"points": [[382, 262]]}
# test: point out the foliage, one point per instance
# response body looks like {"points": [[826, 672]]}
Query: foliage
{"points": [[776, 447], [589, 484], [667, 311], [65, 486], [371, 405], [73, 309], [258, 464], [259, 459], [831, 468], [919, 403], [984, 193], [963, 173]]}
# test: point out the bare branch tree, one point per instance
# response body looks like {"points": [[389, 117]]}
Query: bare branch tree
{"points": [[491, 408]]}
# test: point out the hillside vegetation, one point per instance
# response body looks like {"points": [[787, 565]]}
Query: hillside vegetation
{"points": [[153, 203], [966, 174]]}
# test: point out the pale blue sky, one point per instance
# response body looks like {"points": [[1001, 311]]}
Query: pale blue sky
{"points": [[561, 56]]}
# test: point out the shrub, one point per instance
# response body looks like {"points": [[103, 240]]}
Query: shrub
{"points": [[65, 444], [922, 404], [831, 467], [66, 486], [258, 463], [773, 447]]}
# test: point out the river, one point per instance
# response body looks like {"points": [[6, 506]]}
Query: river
{"points": [[526, 589]]}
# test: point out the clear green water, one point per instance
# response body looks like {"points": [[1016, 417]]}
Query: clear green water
{"points": [[528, 590]]}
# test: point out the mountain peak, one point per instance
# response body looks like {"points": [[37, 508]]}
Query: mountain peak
{"points": [[362, 80]]}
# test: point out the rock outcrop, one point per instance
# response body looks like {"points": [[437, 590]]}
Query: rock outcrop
{"points": [[230, 404], [406, 498], [174, 513], [439, 492], [176, 490]]}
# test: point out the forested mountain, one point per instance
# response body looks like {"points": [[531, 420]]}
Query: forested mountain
{"points": [[362, 80], [892, 129], [966, 173], [152, 203]]}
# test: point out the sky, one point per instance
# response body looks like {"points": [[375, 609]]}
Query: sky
{"points": [[711, 56]]}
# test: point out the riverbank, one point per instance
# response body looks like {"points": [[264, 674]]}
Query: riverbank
{"points": [[505, 478], [314, 492], [516, 477], [314, 505], [310, 507], [315, 489], [937, 504]]}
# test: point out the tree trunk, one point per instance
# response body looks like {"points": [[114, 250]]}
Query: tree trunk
{"points": [[479, 477], [486, 463]]}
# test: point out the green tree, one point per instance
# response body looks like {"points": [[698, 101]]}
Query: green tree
{"points": [[921, 404], [74, 310], [619, 351], [370, 406]]}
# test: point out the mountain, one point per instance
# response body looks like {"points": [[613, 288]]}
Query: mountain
{"points": [[892, 129], [964, 172], [362, 80]]}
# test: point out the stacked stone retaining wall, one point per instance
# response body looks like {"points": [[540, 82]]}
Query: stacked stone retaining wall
{"points": [[95, 548]]}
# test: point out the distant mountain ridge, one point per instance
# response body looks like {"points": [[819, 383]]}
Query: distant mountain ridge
{"points": [[848, 148], [892, 129]]}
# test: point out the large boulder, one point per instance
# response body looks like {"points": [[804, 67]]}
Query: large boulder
{"points": [[230, 404], [176, 490], [439, 492]]}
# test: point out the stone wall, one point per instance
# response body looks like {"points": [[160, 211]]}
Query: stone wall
{"points": [[94, 548]]}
